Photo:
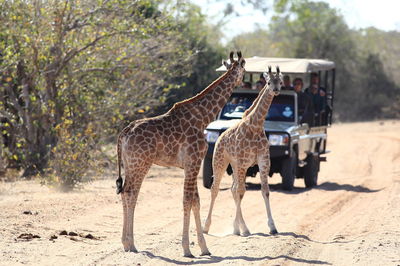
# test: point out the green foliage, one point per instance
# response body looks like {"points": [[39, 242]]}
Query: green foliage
{"points": [[95, 63], [71, 158]]}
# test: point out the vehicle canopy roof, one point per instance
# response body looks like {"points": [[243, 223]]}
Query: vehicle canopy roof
{"points": [[287, 65]]}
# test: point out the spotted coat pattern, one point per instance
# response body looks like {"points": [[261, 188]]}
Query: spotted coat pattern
{"points": [[175, 138], [242, 146]]}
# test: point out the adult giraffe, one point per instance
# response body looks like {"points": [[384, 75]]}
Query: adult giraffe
{"points": [[242, 146], [175, 138]]}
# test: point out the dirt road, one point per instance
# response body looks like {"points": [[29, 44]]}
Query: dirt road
{"points": [[351, 218]]}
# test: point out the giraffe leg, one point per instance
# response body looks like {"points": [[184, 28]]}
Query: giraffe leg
{"points": [[191, 201], [238, 190], [264, 165], [196, 213], [220, 163], [129, 198], [187, 206]]}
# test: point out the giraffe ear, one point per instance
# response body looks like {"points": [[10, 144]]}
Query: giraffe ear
{"points": [[231, 56], [225, 64]]}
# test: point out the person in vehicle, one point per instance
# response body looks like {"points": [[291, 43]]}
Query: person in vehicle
{"points": [[259, 85], [262, 80], [286, 83], [317, 93], [318, 96], [246, 85], [305, 104]]}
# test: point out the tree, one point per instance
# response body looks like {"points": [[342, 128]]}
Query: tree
{"points": [[87, 64]]}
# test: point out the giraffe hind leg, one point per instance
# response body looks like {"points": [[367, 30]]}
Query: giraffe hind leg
{"points": [[134, 178], [220, 163]]}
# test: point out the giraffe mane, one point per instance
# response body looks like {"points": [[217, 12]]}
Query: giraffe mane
{"points": [[203, 92]]}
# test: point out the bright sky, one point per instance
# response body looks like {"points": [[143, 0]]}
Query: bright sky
{"points": [[382, 14]]}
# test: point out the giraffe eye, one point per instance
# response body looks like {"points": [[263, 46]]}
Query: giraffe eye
{"points": [[269, 83]]}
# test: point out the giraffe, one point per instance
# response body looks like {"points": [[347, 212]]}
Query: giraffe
{"points": [[175, 138], [242, 146]]}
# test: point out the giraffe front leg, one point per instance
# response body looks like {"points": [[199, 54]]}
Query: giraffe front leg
{"points": [[238, 190], [191, 198], [264, 165], [200, 236], [187, 206]]}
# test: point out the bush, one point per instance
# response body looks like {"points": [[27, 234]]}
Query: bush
{"points": [[71, 159]]}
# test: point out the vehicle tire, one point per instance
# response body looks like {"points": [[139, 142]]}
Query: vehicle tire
{"points": [[207, 173], [311, 171], [288, 171]]}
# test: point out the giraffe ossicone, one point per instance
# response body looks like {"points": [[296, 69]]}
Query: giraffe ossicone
{"points": [[244, 145], [175, 138]]}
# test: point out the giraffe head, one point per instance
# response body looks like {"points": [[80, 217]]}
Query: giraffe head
{"points": [[236, 67], [274, 80]]}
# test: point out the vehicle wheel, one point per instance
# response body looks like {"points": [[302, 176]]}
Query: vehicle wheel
{"points": [[311, 171], [288, 171], [207, 173]]}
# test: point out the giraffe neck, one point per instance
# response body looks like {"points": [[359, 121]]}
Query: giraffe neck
{"points": [[203, 108], [259, 111], [248, 111]]}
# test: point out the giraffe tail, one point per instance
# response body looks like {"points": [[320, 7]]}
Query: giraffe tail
{"points": [[119, 182]]}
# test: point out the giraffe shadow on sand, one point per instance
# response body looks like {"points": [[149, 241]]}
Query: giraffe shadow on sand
{"points": [[327, 186], [304, 237], [229, 259]]}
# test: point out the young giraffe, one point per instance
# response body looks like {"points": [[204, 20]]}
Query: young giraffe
{"points": [[173, 139], [244, 145]]}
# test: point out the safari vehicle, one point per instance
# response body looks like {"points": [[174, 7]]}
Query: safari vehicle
{"points": [[296, 149]]}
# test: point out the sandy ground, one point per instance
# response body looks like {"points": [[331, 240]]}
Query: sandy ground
{"points": [[351, 218]]}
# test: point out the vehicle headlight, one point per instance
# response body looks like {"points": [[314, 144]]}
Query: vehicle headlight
{"points": [[278, 139], [211, 136]]}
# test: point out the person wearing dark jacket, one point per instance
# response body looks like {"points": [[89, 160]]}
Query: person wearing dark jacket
{"points": [[304, 102], [317, 93]]}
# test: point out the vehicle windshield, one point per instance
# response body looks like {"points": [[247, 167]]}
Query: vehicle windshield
{"points": [[281, 109]]}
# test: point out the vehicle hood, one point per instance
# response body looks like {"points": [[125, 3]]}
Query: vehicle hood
{"points": [[219, 125], [222, 124], [278, 126]]}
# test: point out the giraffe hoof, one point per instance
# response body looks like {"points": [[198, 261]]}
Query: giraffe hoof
{"points": [[134, 250], [236, 233], [273, 232], [207, 253], [189, 255], [246, 233]]}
